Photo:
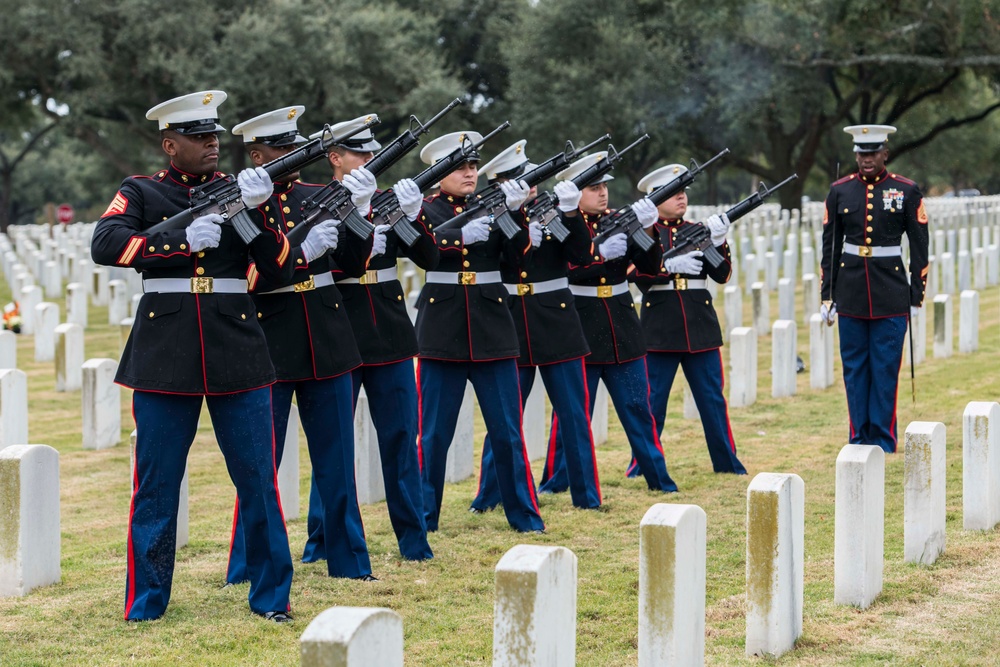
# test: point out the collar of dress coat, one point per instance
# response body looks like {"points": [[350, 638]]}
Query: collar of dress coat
{"points": [[186, 179], [884, 174], [670, 222]]}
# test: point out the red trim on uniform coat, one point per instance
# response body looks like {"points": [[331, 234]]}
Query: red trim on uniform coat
{"points": [[468, 324], [420, 420], [200, 393], [729, 424], [201, 342], [527, 334], [590, 431], [130, 560], [614, 338], [371, 304], [312, 348], [684, 318], [868, 283]]}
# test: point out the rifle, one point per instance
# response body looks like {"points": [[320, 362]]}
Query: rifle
{"points": [[543, 208], [492, 202], [333, 202], [222, 195], [385, 205], [625, 220], [697, 237]]}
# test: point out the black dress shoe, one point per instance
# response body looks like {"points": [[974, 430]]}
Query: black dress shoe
{"points": [[476, 510], [276, 616], [365, 577]]}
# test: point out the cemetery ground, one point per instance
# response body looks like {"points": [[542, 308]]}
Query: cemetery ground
{"points": [[942, 614]]}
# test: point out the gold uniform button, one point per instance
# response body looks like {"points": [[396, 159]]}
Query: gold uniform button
{"points": [[548, 238], [201, 254], [648, 304], [399, 297], [151, 313], [166, 246], [870, 206], [465, 263], [604, 280], [286, 210], [871, 187], [243, 316], [597, 258], [465, 251], [562, 305], [869, 218], [290, 224], [259, 315], [284, 197], [706, 302], [267, 208], [897, 268], [184, 246], [430, 300], [458, 209], [336, 305], [458, 243], [500, 299], [869, 229], [524, 274], [200, 270], [298, 261], [841, 265], [595, 225], [270, 219], [845, 210], [152, 248], [868, 239]]}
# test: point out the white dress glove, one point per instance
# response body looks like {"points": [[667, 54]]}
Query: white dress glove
{"points": [[614, 247], [645, 212], [828, 313], [568, 194], [476, 231], [535, 234], [914, 312], [255, 186], [516, 193], [689, 264], [321, 238], [409, 198], [361, 183], [204, 232], [378, 240], [718, 225]]}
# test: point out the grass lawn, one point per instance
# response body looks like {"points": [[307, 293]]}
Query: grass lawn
{"points": [[943, 614]]}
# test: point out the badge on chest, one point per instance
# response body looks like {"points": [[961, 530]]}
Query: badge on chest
{"points": [[892, 200]]}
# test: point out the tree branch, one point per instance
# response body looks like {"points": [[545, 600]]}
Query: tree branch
{"points": [[902, 106], [941, 127]]}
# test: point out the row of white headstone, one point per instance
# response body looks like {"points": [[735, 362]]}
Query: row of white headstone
{"points": [[535, 602]]}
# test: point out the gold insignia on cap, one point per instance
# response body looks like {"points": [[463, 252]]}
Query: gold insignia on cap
{"points": [[368, 119], [166, 126], [461, 137], [207, 99], [864, 130], [292, 113], [676, 169], [518, 149]]}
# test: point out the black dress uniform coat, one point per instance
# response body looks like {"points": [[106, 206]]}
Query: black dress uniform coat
{"points": [[872, 212], [548, 326], [681, 320], [611, 324], [377, 312], [466, 322], [309, 334], [183, 343]]}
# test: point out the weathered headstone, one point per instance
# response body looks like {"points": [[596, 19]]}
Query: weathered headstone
{"points": [[99, 286], [820, 352], [733, 305], [533, 420], [690, 406], [29, 507], [367, 459], [783, 366], [964, 270], [810, 296], [859, 529], [117, 301], [761, 309], [13, 408], [8, 349], [534, 614], [942, 326], [743, 364], [968, 322], [947, 273], [775, 563], [46, 320], [288, 471], [459, 463], [981, 465], [599, 420], [76, 304], [52, 280], [102, 409], [31, 296], [69, 357], [353, 637], [672, 586], [786, 299], [924, 470]]}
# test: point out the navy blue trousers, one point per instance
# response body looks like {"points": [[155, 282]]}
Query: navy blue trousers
{"points": [[628, 386], [566, 384], [328, 421], [705, 376], [392, 402], [165, 428], [442, 388], [872, 351]]}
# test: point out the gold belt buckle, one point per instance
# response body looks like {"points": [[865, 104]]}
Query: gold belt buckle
{"points": [[523, 289], [680, 283], [466, 277], [202, 285], [865, 251], [370, 277], [604, 291], [305, 285]]}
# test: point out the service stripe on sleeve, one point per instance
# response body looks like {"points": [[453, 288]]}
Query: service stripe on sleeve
{"points": [[130, 251], [285, 249]]}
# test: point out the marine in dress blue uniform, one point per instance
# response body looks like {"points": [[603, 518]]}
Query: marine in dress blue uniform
{"points": [[865, 281], [313, 349], [611, 326], [376, 308], [681, 326], [551, 340], [465, 333], [195, 336]]}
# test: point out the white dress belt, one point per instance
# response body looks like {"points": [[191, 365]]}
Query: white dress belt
{"points": [[196, 285], [599, 291], [462, 277], [873, 250], [522, 289], [680, 284], [372, 277], [314, 282]]}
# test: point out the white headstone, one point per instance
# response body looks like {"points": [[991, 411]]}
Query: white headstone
{"points": [[599, 421], [69, 357], [288, 471], [690, 406], [820, 353], [353, 637], [761, 309], [752, 271], [979, 269], [783, 359], [860, 525], [775, 563], [534, 614], [964, 270], [76, 304], [46, 320], [919, 324], [733, 305], [31, 296], [968, 322], [459, 464], [533, 420], [993, 264], [771, 268], [117, 301], [810, 296], [367, 459], [102, 409], [947, 273], [8, 349], [743, 365], [13, 408], [99, 286], [924, 471], [786, 299], [943, 326], [29, 506], [981, 465], [52, 280], [789, 265], [672, 586], [808, 261]]}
